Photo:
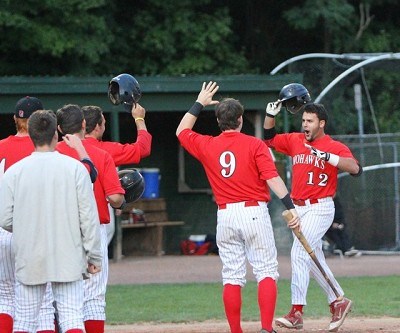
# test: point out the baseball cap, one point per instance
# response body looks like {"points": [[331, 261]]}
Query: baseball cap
{"points": [[26, 106]]}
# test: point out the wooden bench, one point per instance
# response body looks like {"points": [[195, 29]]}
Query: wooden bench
{"points": [[142, 237]]}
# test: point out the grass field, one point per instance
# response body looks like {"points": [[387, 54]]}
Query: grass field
{"points": [[176, 303]]}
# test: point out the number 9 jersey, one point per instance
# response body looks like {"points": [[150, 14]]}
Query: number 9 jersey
{"points": [[237, 165]]}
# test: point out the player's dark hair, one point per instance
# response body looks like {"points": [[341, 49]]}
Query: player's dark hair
{"points": [[318, 109], [93, 116], [69, 119], [42, 126], [228, 112]]}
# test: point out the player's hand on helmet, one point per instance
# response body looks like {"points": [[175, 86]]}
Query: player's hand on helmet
{"points": [[316, 152], [138, 111], [92, 269], [273, 108], [207, 92], [295, 220]]}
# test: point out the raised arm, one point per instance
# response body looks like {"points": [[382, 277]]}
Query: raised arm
{"points": [[204, 98], [272, 110]]}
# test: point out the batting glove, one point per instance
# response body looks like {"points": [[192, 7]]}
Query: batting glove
{"points": [[273, 108], [329, 157]]}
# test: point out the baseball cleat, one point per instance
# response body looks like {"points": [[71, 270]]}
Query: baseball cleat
{"points": [[294, 319], [339, 310]]}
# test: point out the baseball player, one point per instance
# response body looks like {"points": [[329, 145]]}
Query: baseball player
{"points": [[240, 169], [107, 189], [64, 239], [13, 149], [130, 153], [316, 159]]}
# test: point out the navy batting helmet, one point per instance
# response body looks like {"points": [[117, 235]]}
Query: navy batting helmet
{"points": [[133, 183], [294, 96], [125, 89]]}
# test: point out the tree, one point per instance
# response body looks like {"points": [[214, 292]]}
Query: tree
{"points": [[97, 37], [52, 37], [174, 38]]}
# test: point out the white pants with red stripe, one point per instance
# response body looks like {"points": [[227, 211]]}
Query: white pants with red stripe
{"points": [[315, 221], [246, 232], [28, 300]]}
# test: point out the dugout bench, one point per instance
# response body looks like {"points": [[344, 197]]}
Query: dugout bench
{"points": [[142, 237]]}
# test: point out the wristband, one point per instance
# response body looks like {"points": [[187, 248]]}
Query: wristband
{"points": [[360, 171], [139, 118], [269, 133], [333, 159], [92, 169], [270, 115], [122, 205], [287, 202], [196, 109]]}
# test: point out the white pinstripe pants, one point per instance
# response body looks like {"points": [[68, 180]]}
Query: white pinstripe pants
{"points": [[315, 221], [28, 299], [7, 273], [246, 232], [95, 287], [45, 319]]}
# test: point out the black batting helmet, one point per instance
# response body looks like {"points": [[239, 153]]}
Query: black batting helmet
{"points": [[133, 183], [125, 89], [294, 96]]}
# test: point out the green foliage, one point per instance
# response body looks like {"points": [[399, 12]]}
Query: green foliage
{"points": [[66, 33], [176, 38], [190, 37], [203, 301], [334, 15]]}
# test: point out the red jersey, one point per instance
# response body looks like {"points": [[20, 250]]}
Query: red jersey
{"points": [[107, 182], [237, 165], [13, 149], [129, 153], [312, 178]]}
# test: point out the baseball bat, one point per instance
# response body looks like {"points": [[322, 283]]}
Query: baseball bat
{"points": [[287, 215]]}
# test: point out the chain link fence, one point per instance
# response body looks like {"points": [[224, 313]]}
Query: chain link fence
{"points": [[364, 113]]}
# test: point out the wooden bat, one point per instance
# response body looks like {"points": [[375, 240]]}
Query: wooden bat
{"points": [[287, 215]]}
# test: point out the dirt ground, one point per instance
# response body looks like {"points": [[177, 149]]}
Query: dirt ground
{"points": [[351, 325], [184, 269]]}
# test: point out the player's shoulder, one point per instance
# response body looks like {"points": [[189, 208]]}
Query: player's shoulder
{"points": [[13, 139], [250, 140], [101, 158], [111, 146], [293, 135], [334, 142], [94, 150]]}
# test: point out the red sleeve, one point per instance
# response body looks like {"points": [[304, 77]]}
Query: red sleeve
{"points": [[193, 142], [144, 142], [110, 180], [283, 143], [129, 153]]}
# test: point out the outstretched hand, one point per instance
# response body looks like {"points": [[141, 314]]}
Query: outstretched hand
{"points": [[316, 152], [207, 93]]}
